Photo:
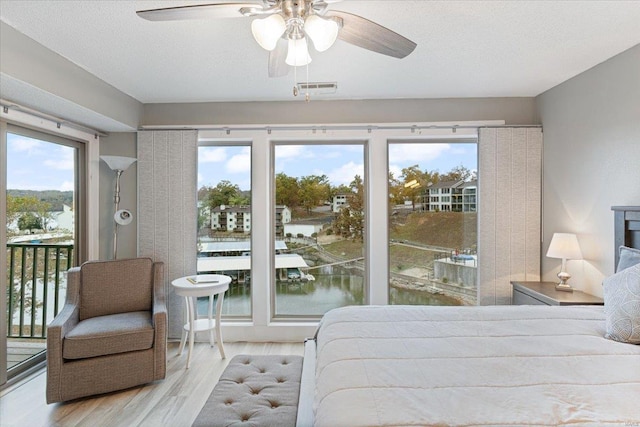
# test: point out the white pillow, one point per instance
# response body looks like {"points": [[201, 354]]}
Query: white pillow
{"points": [[628, 258], [622, 305]]}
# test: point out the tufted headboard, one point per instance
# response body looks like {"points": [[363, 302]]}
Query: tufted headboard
{"points": [[627, 228]]}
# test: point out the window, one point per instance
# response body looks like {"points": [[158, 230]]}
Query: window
{"points": [[224, 222], [319, 228], [46, 235], [432, 238]]}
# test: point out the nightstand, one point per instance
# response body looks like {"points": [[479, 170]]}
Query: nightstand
{"points": [[545, 293]]}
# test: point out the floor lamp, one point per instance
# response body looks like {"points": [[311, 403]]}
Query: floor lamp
{"points": [[118, 164]]}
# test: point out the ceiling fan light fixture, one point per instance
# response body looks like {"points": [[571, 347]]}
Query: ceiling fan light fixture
{"points": [[267, 31], [298, 52], [322, 32]]}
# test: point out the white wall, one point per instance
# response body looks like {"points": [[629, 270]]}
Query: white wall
{"points": [[591, 162]]}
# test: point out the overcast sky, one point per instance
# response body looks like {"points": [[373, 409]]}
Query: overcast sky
{"points": [[39, 165]]}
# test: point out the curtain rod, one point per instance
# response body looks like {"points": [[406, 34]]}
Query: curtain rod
{"points": [[368, 128], [6, 106]]}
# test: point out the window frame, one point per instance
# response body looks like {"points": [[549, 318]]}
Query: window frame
{"points": [[204, 142], [275, 317], [89, 186], [263, 327]]}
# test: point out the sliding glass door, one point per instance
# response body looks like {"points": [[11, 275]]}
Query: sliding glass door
{"points": [[44, 200]]}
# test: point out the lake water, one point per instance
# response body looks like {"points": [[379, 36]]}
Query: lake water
{"points": [[334, 287]]}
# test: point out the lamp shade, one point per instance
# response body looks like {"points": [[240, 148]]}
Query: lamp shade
{"points": [[564, 246], [323, 32], [267, 31], [123, 217], [118, 162], [298, 53]]}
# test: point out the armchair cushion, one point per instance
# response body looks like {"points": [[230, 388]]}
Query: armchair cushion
{"points": [[112, 287], [110, 334]]}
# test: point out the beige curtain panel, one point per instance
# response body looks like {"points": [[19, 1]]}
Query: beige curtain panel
{"points": [[167, 212], [509, 209]]}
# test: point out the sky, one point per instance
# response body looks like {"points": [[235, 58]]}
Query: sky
{"points": [[338, 162], [39, 165]]}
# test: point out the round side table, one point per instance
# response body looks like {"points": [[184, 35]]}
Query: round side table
{"points": [[192, 287]]}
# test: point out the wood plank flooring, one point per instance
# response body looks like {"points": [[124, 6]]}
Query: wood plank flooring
{"points": [[175, 401]]}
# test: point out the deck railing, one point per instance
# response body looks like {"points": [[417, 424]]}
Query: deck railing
{"points": [[37, 286]]}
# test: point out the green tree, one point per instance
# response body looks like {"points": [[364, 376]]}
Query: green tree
{"points": [[459, 173], [350, 220], [243, 198], [29, 221], [287, 190], [414, 181], [19, 206], [396, 190], [223, 194], [314, 190]]}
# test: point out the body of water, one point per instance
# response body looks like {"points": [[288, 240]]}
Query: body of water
{"points": [[333, 287]]}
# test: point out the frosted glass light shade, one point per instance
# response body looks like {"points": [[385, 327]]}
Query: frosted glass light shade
{"points": [[322, 32], [267, 31], [564, 246], [123, 217], [298, 53], [118, 162]]}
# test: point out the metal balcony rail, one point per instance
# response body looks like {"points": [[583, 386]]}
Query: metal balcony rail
{"points": [[36, 281]]}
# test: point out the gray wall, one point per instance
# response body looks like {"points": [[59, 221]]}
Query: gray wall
{"points": [[35, 77], [512, 110], [591, 162], [118, 144]]}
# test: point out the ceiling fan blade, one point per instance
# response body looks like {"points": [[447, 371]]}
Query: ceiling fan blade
{"points": [[196, 11], [367, 34], [277, 65]]}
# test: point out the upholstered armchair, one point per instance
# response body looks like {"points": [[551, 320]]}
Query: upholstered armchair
{"points": [[112, 331]]}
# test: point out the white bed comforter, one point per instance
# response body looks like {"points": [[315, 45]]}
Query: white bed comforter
{"points": [[498, 365]]}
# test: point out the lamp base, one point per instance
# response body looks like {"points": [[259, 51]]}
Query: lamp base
{"points": [[563, 285]]}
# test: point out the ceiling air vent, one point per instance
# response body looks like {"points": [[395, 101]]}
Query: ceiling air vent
{"points": [[317, 88]]}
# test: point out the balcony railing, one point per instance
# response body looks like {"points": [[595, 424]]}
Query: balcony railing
{"points": [[37, 286]]}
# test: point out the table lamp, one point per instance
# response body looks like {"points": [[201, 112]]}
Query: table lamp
{"points": [[564, 246]]}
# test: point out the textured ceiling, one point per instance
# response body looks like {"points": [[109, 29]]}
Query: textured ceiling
{"points": [[465, 48]]}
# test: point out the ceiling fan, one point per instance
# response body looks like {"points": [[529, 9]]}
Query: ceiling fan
{"points": [[288, 24]]}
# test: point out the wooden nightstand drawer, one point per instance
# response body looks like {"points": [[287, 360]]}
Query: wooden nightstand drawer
{"points": [[545, 293]]}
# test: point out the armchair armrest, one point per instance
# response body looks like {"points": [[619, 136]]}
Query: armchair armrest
{"points": [[159, 319], [64, 321], [68, 318]]}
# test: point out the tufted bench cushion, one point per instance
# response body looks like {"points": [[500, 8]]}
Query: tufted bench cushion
{"points": [[255, 391]]}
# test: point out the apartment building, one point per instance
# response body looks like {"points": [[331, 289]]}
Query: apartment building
{"points": [[451, 196]]}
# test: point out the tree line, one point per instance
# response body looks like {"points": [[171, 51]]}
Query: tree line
{"points": [[311, 191], [30, 212]]}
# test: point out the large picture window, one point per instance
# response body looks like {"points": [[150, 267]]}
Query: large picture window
{"points": [[433, 223], [224, 222], [319, 228]]}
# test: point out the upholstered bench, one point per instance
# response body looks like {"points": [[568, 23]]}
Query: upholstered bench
{"points": [[255, 391]]}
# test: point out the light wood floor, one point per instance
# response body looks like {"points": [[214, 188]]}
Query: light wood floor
{"points": [[175, 401]]}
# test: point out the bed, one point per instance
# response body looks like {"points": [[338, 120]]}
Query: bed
{"points": [[491, 365]]}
